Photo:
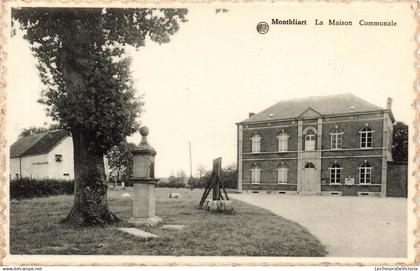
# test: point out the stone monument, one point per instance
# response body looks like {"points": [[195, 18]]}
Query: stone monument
{"points": [[144, 206]]}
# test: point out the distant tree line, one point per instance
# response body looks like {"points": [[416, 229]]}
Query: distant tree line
{"points": [[229, 176]]}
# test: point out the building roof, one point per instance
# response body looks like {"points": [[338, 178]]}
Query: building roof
{"points": [[315, 105], [36, 144]]}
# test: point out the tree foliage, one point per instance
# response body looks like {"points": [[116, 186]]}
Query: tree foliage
{"points": [[84, 66], [400, 142], [228, 175], [120, 160], [33, 130]]}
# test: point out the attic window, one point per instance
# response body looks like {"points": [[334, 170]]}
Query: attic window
{"points": [[58, 157]]}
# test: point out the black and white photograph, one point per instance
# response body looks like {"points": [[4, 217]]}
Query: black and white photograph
{"points": [[210, 134]]}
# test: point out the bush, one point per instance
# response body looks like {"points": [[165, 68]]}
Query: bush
{"points": [[201, 182], [171, 182], [228, 176], [26, 188]]}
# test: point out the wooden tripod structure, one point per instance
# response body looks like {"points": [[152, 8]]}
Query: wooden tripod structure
{"points": [[215, 183]]}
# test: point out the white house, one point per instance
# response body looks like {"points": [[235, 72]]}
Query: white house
{"points": [[44, 155]]}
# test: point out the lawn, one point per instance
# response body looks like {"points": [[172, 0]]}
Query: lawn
{"points": [[250, 231]]}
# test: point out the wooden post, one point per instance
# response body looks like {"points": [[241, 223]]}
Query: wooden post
{"points": [[219, 202], [223, 188], [217, 169], [206, 192]]}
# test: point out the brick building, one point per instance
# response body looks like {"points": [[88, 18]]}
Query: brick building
{"points": [[330, 145]]}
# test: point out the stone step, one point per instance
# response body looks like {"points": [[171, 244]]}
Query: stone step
{"points": [[173, 227]]}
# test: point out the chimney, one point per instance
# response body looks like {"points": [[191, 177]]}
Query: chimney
{"points": [[389, 103], [251, 114]]}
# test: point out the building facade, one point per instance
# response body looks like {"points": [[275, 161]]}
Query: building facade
{"points": [[44, 155], [331, 145], [47, 155]]}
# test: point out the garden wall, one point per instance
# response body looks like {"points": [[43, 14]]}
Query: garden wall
{"points": [[397, 179]]}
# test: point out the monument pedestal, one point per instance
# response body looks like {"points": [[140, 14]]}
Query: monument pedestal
{"points": [[144, 203], [218, 205]]}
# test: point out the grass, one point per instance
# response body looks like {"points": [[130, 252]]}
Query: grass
{"points": [[251, 231]]}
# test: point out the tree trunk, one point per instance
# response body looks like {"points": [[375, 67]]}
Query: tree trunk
{"points": [[90, 187]]}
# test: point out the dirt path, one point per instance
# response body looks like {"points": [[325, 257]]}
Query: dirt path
{"points": [[347, 226]]}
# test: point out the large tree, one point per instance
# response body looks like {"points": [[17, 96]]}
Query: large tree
{"points": [[88, 89]]}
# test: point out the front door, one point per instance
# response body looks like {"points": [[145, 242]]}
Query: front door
{"points": [[310, 182]]}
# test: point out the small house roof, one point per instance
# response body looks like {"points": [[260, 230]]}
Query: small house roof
{"points": [[37, 144], [323, 105]]}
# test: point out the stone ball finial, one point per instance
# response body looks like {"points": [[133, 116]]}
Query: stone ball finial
{"points": [[144, 131], [144, 147]]}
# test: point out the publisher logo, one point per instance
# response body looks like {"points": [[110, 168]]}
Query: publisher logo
{"points": [[262, 27]]}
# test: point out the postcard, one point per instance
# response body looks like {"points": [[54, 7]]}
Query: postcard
{"points": [[209, 133]]}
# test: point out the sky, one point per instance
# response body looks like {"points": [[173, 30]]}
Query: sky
{"points": [[217, 68]]}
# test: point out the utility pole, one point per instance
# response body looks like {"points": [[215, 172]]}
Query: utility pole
{"points": [[191, 179]]}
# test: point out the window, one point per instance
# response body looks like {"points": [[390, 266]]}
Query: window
{"points": [[336, 139], [310, 141], [255, 174], [256, 143], [365, 173], [282, 174], [58, 157], [366, 137], [335, 174], [309, 165], [282, 141], [66, 174]]}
